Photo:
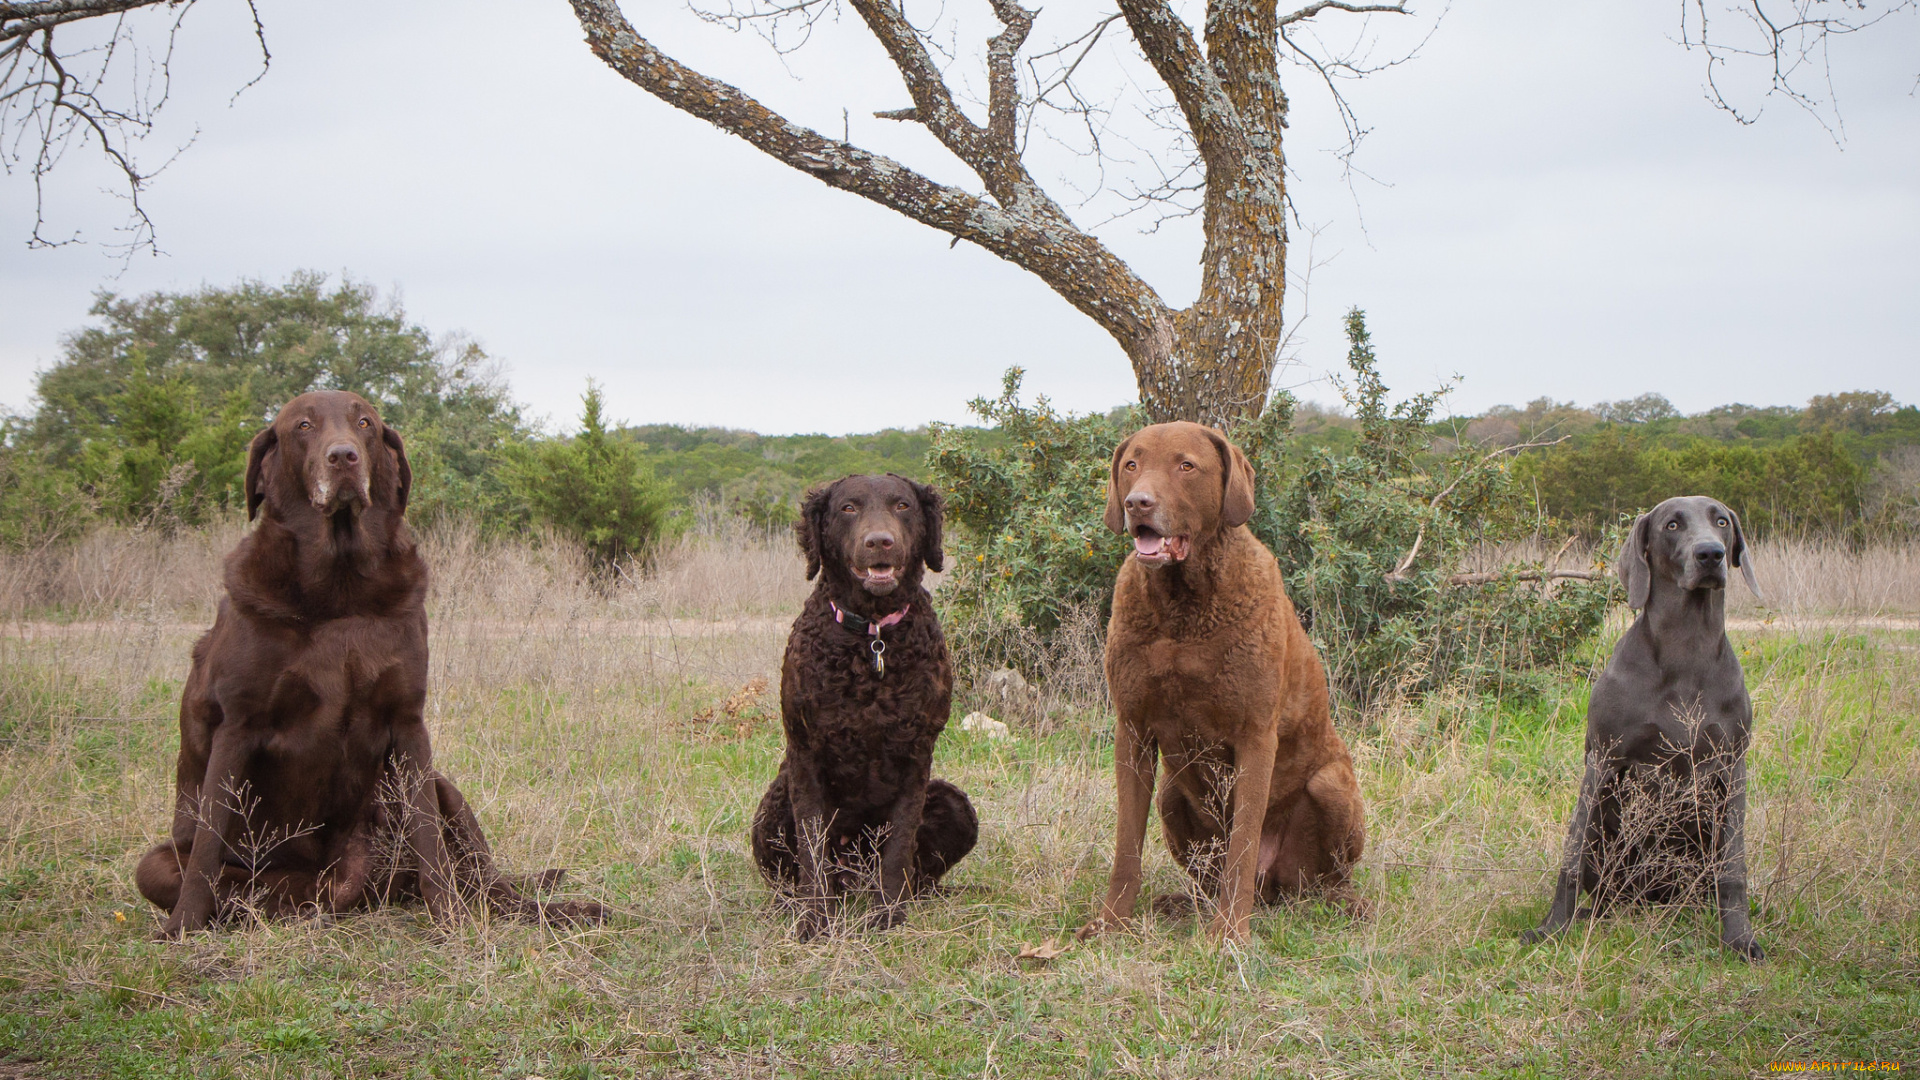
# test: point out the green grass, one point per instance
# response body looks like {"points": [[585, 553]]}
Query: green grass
{"points": [[584, 752]]}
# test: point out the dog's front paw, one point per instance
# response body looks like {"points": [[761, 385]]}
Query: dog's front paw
{"points": [[1746, 948], [1534, 936], [885, 917], [1096, 926], [811, 924]]}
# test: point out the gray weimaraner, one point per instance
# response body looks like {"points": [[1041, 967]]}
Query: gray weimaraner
{"points": [[1664, 799]]}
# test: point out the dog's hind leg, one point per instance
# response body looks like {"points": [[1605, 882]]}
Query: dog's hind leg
{"points": [[158, 874], [948, 830], [1314, 843], [772, 837]]}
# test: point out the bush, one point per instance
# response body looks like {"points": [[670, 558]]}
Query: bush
{"points": [[156, 402], [1032, 556], [593, 488], [1805, 482], [1028, 551], [1372, 543]]}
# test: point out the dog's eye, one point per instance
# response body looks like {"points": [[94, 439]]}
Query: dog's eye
{"points": [[305, 424], [1672, 525], [365, 423], [1722, 523], [902, 507], [847, 509], [1186, 466], [1132, 465]]}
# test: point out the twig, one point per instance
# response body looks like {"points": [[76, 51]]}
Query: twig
{"points": [[1486, 577], [1400, 573]]}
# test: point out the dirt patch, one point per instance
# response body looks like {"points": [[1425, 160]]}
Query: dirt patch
{"points": [[1790, 623]]}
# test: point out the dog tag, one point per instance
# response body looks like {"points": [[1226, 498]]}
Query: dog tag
{"points": [[879, 657]]}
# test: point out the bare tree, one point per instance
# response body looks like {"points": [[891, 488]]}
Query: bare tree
{"points": [[1213, 360], [64, 86], [1786, 40]]}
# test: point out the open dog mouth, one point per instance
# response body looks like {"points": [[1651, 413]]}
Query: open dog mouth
{"points": [[879, 577], [1149, 546]]}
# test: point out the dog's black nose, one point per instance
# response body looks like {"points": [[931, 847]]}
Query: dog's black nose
{"points": [[882, 540], [1142, 501], [343, 454], [1711, 554]]}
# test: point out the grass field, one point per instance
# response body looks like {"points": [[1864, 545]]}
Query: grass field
{"points": [[586, 730]]}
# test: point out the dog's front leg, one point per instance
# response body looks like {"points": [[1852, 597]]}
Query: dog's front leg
{"points": [[220, 806], [896, 852], [1135, 758], [1252, 780], [1730, 863], [1566, 889], [421, 821], [811, 820]]}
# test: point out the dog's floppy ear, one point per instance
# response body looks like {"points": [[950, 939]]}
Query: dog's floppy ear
{"points": [[1632, 564], [811, 529], [1116, 514], [399, 448], [1236, 501], [263, 444], [933, 507], [1737, 554]]}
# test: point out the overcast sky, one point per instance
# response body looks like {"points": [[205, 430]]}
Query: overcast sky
{"points": [[1553, 209]]}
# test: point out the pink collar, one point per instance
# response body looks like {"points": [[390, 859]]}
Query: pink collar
{"points": [[871, 627]]}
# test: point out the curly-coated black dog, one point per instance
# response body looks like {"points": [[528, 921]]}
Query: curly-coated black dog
{"points": [[864, 693]]}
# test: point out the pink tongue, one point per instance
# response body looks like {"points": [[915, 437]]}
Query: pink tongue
{"points": [[1148, 544]]}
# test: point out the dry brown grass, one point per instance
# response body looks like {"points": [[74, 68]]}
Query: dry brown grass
{"points": [[588, 728]]}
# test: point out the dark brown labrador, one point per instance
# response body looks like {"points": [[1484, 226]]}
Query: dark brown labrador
{"points": [[1210, 671], [865, 690], [305, 779]]}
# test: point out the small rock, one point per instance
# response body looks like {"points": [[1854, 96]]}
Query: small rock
{"points": [[985, 725], [1007, 685]]}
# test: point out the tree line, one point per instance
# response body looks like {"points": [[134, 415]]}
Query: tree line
{"points": [[145, 417]]}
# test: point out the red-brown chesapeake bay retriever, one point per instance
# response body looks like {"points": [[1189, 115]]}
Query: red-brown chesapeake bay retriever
{"points": [[305, 778], [1209, 668], [865, 690]]}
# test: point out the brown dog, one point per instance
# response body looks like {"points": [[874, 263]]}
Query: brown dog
{"points": [[1209, 667], [865, 689], [305, 778]]}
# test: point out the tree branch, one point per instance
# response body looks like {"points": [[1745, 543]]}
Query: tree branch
{"points": [[54, 96], [1027, 231], [1491, 576], [1170, 47], [1401, 572], [1003, 82], [1308, 12]]}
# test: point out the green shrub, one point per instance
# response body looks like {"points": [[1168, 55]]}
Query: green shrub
{"points": [[1031, 554], [593, 488], [1807, 482], [1372, 542], [155, 403], [1028, 551]]}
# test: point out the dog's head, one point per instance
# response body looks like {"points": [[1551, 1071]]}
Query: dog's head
{"points": [[875, 532], [1176, 484], [1684, 543], [327, 454]]}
